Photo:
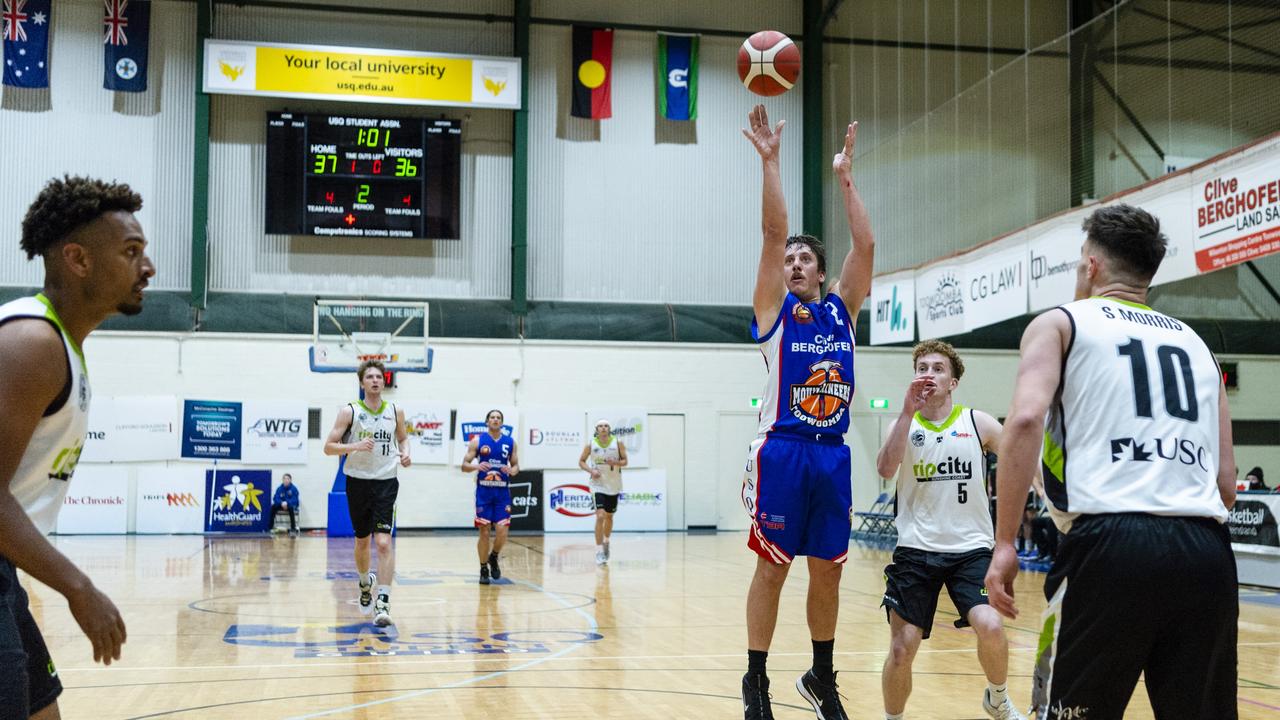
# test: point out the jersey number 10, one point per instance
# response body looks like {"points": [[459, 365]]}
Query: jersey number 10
{"points": [[1179, 402]]}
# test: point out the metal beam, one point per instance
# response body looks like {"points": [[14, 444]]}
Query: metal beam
{"points": [[1211, 33], [200, 166], [1128, 113], [520, 168], [1263, 279], [829, 13], [1138, 44], [813, 160], [1185, 64], [1082, 49]]}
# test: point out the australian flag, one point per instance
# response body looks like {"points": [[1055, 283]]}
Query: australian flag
{"points": [[26, 42], [126, 36]]}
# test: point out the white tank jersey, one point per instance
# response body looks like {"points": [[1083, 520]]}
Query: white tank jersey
{"points": [[1134, 425], [610, 482], [41, 480], [942, 489], [383, 461]]}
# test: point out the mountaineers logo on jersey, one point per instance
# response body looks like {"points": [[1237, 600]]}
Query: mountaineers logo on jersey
{"points": [[824, 395]]}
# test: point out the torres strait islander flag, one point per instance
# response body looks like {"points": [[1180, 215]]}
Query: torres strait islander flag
{"points": [[678, 76], [592, 69]]}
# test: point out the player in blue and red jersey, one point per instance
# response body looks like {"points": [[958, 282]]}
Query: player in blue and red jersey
{"points": [[491, 455], [797, 487]]}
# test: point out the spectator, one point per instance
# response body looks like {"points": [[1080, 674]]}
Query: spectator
{"points": [[1254, 479], [286, 498]]}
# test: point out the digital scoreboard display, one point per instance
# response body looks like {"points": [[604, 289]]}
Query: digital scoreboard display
{"points": [[353, 176]]}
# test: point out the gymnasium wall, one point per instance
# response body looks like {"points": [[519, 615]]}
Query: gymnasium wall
{"points": [[703, 390], [967, 150], [77, 127]]}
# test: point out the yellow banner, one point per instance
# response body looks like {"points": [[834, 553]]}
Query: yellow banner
{"points": [[361, 75], [392, 76]]}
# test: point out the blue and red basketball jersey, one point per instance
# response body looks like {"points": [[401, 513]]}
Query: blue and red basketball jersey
{"points": [[497, 453], [809, 354]]}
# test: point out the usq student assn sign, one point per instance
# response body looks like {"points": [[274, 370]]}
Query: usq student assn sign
{"points": [[360, 74]]}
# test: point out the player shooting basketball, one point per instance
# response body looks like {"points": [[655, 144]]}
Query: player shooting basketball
{"points": [[797, 488]]}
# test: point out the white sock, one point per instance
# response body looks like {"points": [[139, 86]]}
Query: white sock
{"points": [[997, 693], [385, 590], [599, 548], [887, 716]]}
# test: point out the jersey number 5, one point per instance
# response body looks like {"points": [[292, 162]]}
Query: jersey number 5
{"points": [[1179, 398]]}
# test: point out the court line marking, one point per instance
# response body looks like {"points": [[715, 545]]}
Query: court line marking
{"points": [[591, 625], [117, 669]]}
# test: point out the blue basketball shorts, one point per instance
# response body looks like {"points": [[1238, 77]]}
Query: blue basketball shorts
{"points": [[493, 505], [800, 498]]}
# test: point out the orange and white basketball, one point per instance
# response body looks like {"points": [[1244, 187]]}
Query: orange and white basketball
{"points": [[768, 63]]}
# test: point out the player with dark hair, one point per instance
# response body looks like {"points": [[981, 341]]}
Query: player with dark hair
{"points": [[797, 486], [372, 434], [1139, 472], [496, 465], [95, 265]]}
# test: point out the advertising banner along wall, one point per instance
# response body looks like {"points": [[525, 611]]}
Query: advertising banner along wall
{"points": [[211, 429], [940, 300], [631, 426], [96, 502], [360, 74], [996, 284], [553, 438], [275, 432], [237, 500], [132, 429], [893, 308], [469, 423], [427, 425], [1238, 215], [568, 503], [170, 500]]}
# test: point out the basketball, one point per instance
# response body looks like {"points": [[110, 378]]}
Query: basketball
{"points": [[768, 63]]}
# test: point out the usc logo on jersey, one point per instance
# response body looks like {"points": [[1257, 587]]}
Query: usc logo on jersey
{"points": [[822, 398]]}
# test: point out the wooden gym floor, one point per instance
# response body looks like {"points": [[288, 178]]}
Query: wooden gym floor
{"points": [[267, 628]]}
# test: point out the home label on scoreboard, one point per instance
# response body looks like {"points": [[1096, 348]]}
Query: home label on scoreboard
{"points": [[338, 175]]}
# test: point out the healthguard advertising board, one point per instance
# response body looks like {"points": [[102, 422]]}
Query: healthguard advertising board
{"points": [[237, 500], [360, 74]]}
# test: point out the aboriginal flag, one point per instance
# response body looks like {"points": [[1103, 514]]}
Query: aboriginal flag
{"points": [[592, 72]]}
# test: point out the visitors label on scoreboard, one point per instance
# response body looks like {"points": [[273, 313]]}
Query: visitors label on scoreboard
{"points": [[1238, 216], [360, 74]]}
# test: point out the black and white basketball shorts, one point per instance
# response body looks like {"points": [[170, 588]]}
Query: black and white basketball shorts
{"points": [[372, 504], [916, 577], [1131, 594], [28, 680], [607, 502]]}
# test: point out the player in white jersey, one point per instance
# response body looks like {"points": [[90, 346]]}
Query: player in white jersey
{"points": [[95, 266], [937, 449], [372, 434], [1139, 473], [603, 458]]}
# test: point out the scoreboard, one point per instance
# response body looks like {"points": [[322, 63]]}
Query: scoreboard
{"points": [[356, 176]]}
